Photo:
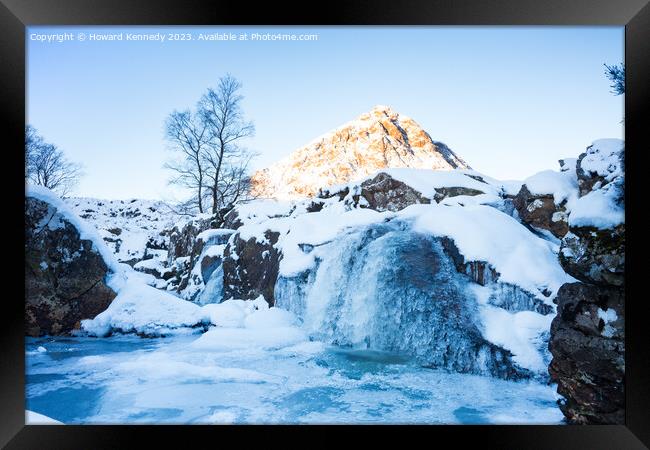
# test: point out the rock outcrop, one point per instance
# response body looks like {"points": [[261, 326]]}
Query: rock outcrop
{"points": [[65, 276], [250, 268], [380, 193], [182, 239], [595, 256], [588, 347], [541, 212], [587, 335], [377, 140], [193, 271]]}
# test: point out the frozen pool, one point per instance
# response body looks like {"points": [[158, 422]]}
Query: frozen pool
{"points": [[126, 379]]}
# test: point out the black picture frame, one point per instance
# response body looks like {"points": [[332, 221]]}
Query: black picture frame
{"points": [[15, 15]]}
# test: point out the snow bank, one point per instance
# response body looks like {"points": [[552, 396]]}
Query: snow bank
{"points": [[521, 333], [142, 309], [314, 230], [602, 158], [257, 211], [128, 225], [563, 185], [249, 325], [232, 313], [482, 233], [34, 418], [598, 209], [139, 308]]}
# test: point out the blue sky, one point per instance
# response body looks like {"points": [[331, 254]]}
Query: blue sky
{"points": [[510, 100]]}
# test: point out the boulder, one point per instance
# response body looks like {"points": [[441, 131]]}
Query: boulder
{"points": [[64, 274], [380, 193], [541, 212], [384, 193], [250, 267], [595, 256], [588, 347]]}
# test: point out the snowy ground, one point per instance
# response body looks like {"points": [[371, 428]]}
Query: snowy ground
{"points": [[251, 378], [127, 225]]}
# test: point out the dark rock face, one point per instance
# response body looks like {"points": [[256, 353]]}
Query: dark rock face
{"points": [[231, 220], [381, 193], [182, 241], [541, 212], [64, 276], [184, 249], [455, 191], [384, 193], [588, 347], [250, 268], [595, 256], [184, 274], [586, 179]]}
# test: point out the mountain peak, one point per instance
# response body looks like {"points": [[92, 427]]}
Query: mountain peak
{"points": [[376, 140]]}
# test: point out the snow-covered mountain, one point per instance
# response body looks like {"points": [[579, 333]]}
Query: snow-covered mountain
{"points": [[379, 139]]}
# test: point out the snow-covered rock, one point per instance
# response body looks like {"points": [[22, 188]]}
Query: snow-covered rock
{"points": [[594, 249], [588, 334], [133, 229], [376, 140], [546, 199], [66, 267], [250, 267], [142, 309], [200, 263], [602, 163], [75, 283]]}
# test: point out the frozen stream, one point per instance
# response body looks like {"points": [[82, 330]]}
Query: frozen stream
{"points": [[126, 379]]}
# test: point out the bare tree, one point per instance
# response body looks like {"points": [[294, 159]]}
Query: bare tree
{"points": [[32, 142], [221, 111], [47, 166], [235, 183], [187, 133]]}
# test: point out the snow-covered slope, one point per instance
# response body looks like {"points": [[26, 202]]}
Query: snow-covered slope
{"points": [[132, 229], [376, 140]]}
